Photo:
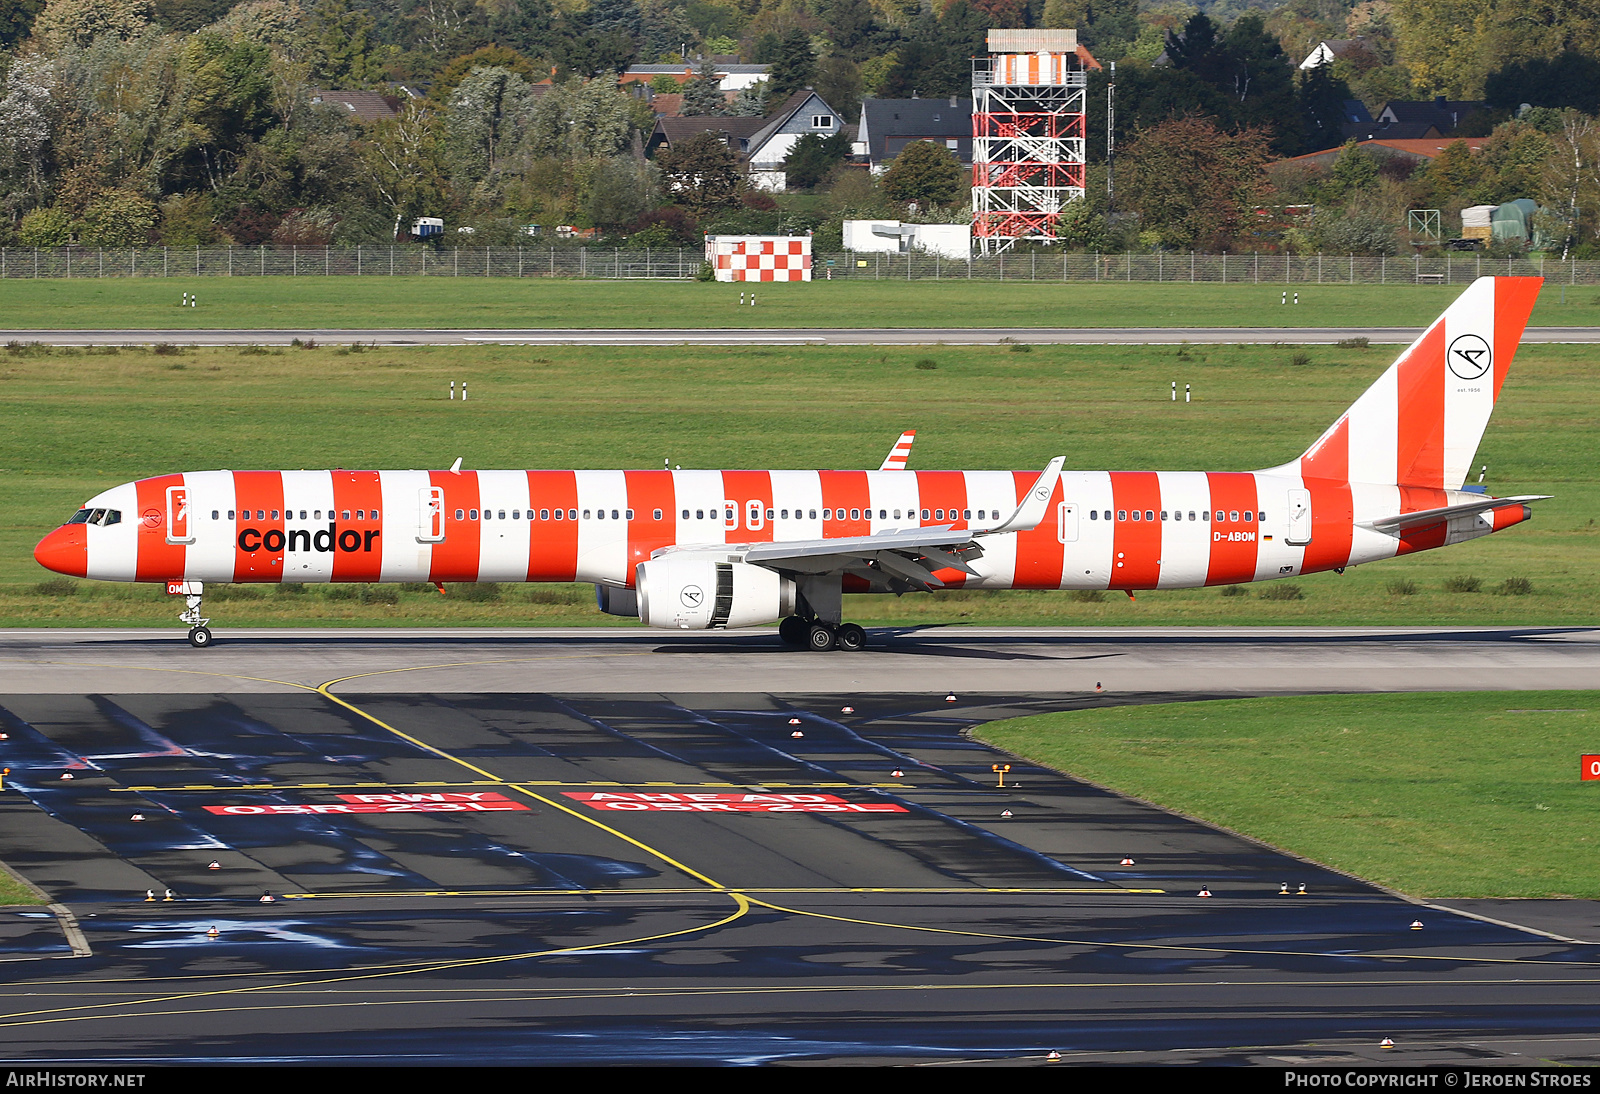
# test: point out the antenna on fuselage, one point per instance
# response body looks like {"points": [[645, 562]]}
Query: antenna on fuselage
{"points": [[455, 468]]}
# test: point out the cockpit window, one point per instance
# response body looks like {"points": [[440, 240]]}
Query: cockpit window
{"points": [[102, 517], [80, 517]]}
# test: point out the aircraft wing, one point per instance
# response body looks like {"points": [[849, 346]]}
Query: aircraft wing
{"points": [[1404, 522], [900, 453], [908, 555]]}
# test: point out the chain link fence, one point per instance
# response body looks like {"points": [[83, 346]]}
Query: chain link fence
{"points": [[618, 264]]}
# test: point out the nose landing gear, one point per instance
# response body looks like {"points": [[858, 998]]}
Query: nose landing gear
{"points": [[199, 631]]}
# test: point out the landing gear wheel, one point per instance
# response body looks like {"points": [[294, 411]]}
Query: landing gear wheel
{"points": [[851, 637], [200, 637], [794, 631], [821, 638]]}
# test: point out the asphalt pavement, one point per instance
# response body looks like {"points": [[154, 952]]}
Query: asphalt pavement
{"points": [[606, 847]]}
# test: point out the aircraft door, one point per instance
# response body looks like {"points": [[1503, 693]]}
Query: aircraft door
{"points": [[430, 519], [1299, 518], [1067, 522], [178, 515]]}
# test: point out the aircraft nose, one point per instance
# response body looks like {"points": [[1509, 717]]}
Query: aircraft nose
{"points": [[66, 550]]}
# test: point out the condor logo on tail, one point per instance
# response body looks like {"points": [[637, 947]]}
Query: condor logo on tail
{"points": [[325, 540]]}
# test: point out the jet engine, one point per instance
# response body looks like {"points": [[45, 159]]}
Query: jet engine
{"points": [[696, 593]]}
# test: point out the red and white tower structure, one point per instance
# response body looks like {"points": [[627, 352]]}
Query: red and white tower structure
{"points": [[1027, 136]]}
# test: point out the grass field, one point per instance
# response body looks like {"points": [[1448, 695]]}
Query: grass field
{"points": [[78, 422], [310, 303], [1438, 795]]}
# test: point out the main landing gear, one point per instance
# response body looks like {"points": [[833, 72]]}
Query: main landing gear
{"points": [[199, 632], [821, 636]]}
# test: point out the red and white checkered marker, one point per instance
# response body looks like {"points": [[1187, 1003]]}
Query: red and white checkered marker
{"points": [[797, 733], [1126, 862], [794, 721], [213, 933], [950, 698], [1005, 812], [213, 865], [847, 710], [137, 817], [1416, 924], [1203, 891], [897, 774], [66, 776], [760, 258], [1386, 1043]]}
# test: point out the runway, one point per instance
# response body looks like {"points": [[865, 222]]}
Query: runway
{"points": [[620, 847], [822, 336]]}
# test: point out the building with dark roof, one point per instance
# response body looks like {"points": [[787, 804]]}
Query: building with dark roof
{"points": [[888, 125], [366, 106], [761, 143]]}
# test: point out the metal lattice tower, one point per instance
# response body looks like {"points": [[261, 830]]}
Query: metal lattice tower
{"points": [[1027, 136]]}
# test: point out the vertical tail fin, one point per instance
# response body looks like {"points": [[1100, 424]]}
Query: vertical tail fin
{"points": [[1420, 423]]}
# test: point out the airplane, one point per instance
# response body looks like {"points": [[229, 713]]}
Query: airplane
{"points": [[698, 550]]}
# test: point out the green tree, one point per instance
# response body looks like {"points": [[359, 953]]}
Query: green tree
{"points": [[582, 119], [1193, 184], [119, 218], [1452, 172], [45, 227], [621, 189], [16, 20], [403, 162], [1322, 98], [342, 48], [80, 22], [701, 174], [703, 94], [491, 56], [812, 159], [1355, 170], [1260, 79], [924, 172], [489, 112], [796, 65]]}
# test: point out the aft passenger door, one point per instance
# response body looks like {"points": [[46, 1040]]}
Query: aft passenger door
{"points": [[1299, 518]]}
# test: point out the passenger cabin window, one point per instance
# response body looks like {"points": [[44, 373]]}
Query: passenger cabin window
{"points": [[461, 514], [215, 515], [544, 514], [657, 515], [1122, 514]]}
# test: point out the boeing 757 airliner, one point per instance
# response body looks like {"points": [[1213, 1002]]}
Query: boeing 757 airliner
{"points": [[694, 550]]}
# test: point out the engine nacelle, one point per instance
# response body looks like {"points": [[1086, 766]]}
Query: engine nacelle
{"points": [[696, 593]]}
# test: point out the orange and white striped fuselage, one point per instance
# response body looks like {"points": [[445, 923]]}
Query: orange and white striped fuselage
{"points": [[1103, 530]]}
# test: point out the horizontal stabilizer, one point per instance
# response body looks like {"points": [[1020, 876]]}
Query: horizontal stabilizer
{"points": [[1404, 522]]}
